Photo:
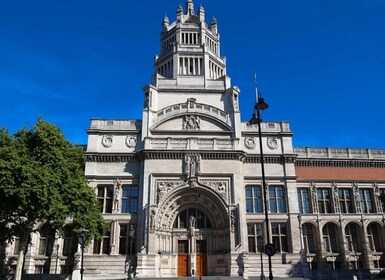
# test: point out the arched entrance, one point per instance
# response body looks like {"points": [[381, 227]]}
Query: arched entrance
{"points": [[192, 228]]}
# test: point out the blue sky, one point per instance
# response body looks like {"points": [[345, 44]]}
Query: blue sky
{"points": [[320, 64]]}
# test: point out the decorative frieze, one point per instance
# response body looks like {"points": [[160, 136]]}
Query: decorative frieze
{"points": [[110, 158]]}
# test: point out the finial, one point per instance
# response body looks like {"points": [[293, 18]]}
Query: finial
{"points": [[190, 7], [180, 9], [166, 20], [201, 13], [214, 21]]}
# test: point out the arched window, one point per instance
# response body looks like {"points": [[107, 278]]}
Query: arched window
{"points": [[374, 237], [192, 217], [351, 233], [329, 232], [308, 238]]}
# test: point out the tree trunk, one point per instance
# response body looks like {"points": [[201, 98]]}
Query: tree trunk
{"points": [[20, 261]]}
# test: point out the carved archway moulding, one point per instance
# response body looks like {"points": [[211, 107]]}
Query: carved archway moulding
{"points": [[202, 197]]}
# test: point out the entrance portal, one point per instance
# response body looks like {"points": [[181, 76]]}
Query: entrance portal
{"points": [[183, 258], [201, 258]]}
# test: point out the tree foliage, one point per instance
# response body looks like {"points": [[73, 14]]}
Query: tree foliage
{"points": [[42, 184]]}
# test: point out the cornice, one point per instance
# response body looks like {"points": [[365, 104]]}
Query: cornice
{"points": [[179, 155], [270, 159], [353, 163]]}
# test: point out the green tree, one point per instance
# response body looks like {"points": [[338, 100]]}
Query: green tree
{"points": [[42, 184]]}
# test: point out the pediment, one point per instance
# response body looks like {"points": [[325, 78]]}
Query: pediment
{"points": [[191, 123]]}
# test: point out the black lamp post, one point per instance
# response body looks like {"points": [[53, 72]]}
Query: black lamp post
{"points": [[260, 241], [131, 234], [256, 119], [82, 238]]}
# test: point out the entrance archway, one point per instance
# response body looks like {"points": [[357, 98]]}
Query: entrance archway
{"points": [[194, 221]]}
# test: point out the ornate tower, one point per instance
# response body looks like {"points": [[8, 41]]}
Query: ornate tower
{"points": [[190, 70]]}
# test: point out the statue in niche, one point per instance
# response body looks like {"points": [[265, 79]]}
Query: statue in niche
{"points": [[356, 194], [192, 221], [235, 102], [152, 219], [336, 198], [313, 194], [192, 165], [117, 184]]}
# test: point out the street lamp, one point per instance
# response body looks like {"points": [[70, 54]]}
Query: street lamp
{"points": [[260, 241], [256, 119], [131, 235], [82, 238]]}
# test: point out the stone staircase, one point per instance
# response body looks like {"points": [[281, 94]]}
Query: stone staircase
{"points": [[279, 268], [105, 267]]}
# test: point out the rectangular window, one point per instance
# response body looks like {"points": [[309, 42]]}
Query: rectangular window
{"points": [[345, 200], [255, 241], [126, 241], [277, 199], [129, 199], [69, 242], [324, 200], [46, 240], [366, 201], [279, 235], [253, 199], [303, 200], [102, 247], [105, 195]]}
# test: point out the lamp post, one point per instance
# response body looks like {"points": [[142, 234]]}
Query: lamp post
{"points": [[260, 241], [256, 119], [82, 238], [131, 266]]}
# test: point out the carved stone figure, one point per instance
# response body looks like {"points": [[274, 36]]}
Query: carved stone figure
{"points": [[192, 221], [336, 198], [313, 194], [356, 195], [192, 165], [117, 184]]}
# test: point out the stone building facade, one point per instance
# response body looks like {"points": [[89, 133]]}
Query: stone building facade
{"points": [[182, 187]]}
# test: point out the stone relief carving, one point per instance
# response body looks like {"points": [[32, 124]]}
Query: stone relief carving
{"points": [[272, 143], [356, 195], [191, 122], [250, 143], [219, 187], [313, 194], [336, 203], [107, 141], [131, 141], [164, 187]]}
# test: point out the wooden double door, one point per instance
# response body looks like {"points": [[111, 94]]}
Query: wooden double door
{"points": [[183, 258]]}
